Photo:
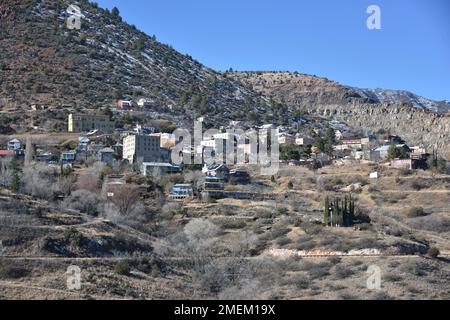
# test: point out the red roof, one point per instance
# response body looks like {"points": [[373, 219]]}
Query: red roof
{"points": [[7, 152]]}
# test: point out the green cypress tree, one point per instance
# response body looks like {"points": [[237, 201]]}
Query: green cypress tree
{"points": [[326, 212]]}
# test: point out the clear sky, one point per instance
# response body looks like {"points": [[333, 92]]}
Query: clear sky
{"points": [[327, 38]]}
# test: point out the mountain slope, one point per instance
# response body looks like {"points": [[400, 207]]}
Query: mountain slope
{"points": [[402, 96], [382, 109], [44, 62]]}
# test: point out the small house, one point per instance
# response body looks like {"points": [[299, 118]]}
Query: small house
{"points": [[68, 157], [181, 192], [158, 168], [15, 145], [145, 103], [44, 157], [219, 171], [106, 156], [125, 104], [239, 176], [374, 175], [213, 183]]}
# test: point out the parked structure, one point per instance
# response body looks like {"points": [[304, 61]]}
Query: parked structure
{"points": [[85, 123]]}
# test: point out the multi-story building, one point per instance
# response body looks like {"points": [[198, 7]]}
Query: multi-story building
{"points": [[142, 148], [86, 123]]}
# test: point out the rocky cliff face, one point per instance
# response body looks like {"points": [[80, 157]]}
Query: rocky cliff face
{"points": [[414, 125], [335, 101]]}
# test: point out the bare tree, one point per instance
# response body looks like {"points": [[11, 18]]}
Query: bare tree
{"points": [[88, 181], [125, 197], [6, 173], [29, 151], [84, 201]]}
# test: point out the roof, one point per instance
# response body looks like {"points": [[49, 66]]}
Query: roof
{"points": [[215, 167], [14, 141], [383, 148], [158, 164], [106, 150], [6, 152]]}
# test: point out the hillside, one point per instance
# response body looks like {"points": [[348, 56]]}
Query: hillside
{"points": [[43, 62], [381, 109]]}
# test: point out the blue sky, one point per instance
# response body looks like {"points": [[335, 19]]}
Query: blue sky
{"points": [[322, 37]]}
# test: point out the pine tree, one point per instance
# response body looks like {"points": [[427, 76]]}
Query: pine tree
{"points": [[115, 12]]}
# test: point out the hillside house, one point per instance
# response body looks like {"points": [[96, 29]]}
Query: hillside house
{"points": [[213, 184], [14, 145], [374, 175], [181, 192], [380, 153], [83, 142], [286, 139], [158, 168], [239, 176], [219, 171], [68, 157], [409, 164], [106, 156], [44, 157], [125, 104], [145, 103], [302, 141]]}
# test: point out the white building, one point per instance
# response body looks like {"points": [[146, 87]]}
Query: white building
{"points": [[14, 145], [141, 148]]}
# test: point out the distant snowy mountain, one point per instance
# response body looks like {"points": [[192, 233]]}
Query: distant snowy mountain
{"points": [[397, 96]]}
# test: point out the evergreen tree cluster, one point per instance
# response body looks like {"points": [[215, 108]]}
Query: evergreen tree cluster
{"points": [[338, 212]]}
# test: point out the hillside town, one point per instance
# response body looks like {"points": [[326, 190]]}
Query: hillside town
{"points": [[146, 151]]}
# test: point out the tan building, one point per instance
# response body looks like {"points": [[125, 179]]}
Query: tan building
{"points": [[84, 123], [142, 148]]}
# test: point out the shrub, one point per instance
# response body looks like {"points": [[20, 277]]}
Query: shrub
{"points": [[433, 252], [405, 172], [416, 185], [84, 201], [74, 237], [416, 212], [290, 185], [301, 283], [122, 268], [9, 271]]}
